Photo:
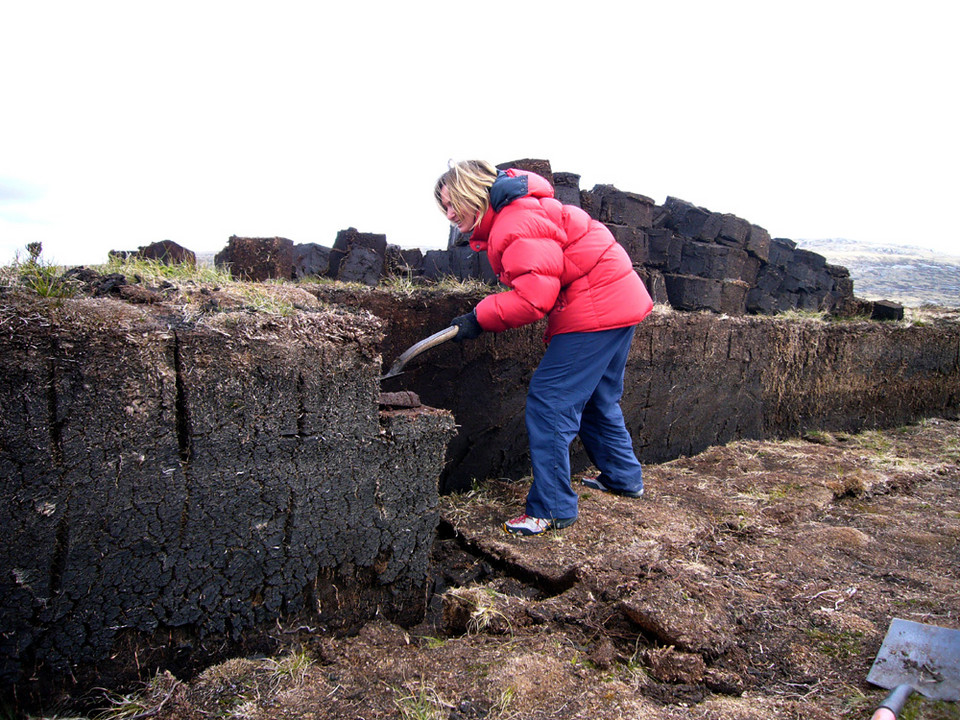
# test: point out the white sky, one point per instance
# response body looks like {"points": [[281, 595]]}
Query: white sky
{"points": [[125, 123]]}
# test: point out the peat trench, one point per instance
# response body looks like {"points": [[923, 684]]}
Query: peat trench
{"points": [[458, 563]]}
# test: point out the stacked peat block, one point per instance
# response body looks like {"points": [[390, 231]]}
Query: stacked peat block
{"points": [[886, 310], [403, 262], [257, 259], [689, 257], [460, 262], [311, 260], [709, 260], [566, 188], [356, 257], [797, 279], [696, 259], [165, 251]]}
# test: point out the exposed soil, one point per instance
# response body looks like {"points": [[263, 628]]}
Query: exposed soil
{"points": [[755, 580]]}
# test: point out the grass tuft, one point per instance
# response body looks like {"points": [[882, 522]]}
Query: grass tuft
{"points": [[38, 275], [156, 271], [422, 703], [259, 300], [291, 668]]}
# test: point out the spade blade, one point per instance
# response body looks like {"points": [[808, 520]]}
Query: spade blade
{"points": [[926, 657]]}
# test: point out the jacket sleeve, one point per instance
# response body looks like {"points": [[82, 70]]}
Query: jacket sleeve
{"points": [[532, 269]]}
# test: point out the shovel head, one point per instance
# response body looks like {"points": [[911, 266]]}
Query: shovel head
{"points": [[417, 348], [925, 657]]}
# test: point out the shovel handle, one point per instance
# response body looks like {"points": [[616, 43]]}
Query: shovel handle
{"points": [[893, 704]]}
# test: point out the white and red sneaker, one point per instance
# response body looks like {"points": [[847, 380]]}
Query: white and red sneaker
{"points": [[528, 525]]}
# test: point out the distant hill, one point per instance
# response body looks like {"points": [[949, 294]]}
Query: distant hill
{"points": [[912, 276]]}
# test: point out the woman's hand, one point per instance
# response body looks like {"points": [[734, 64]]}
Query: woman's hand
{"points": [[467, 327]]}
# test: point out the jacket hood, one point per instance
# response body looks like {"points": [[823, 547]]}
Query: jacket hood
{"points": [[514, 184], [509, 186]]}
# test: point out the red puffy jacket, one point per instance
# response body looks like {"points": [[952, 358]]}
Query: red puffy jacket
{"points": [[556, 260]]}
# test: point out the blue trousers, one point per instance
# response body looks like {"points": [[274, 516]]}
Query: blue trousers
{"points": [[576, 389]]}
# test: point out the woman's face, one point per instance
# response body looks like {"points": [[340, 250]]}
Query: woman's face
{"points": [[464, 225]]}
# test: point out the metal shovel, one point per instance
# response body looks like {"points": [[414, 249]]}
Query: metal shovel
{"points": [[418, 348], [916, 658]]}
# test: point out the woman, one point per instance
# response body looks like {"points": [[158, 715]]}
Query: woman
{"points": [[559, 262]]}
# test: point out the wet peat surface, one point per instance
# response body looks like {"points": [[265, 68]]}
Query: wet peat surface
{"points": [[754, 580]]}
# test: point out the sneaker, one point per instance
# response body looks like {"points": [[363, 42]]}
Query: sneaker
{"points": [[597, 485], [527, 525]]}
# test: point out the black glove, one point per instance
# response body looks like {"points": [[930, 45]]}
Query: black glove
{"points": [[467, 327]]}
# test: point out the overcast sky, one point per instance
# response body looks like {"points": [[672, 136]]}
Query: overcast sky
{"points": [[125, 123]]}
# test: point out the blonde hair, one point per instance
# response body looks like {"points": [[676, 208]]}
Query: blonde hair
{"points": [[468, 186]]}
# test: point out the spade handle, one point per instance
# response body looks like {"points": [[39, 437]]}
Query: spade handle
{"points": [[893, 704]]}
